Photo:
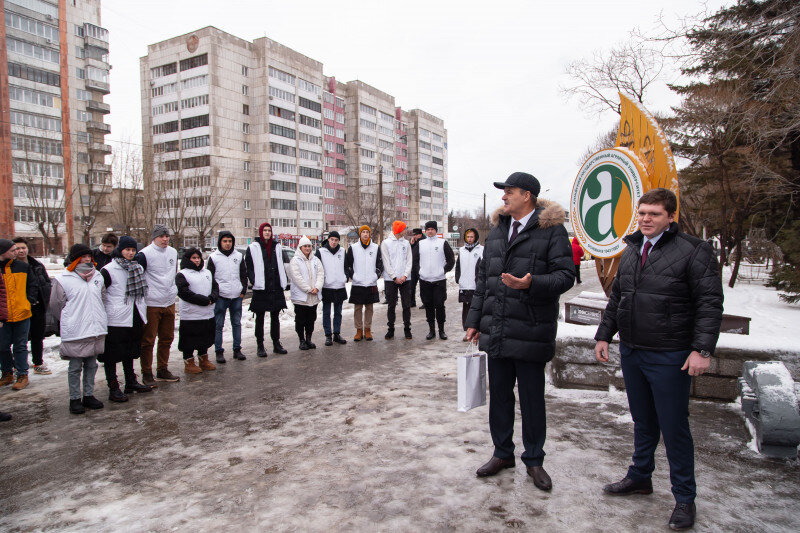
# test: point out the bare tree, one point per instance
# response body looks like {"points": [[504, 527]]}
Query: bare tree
{"points": [[127, 190], [628, 68], [93, 191]]}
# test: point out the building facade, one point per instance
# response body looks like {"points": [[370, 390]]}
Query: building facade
{"points": [[236, 133], [54, 69]]}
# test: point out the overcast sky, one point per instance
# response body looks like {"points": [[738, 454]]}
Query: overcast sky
{"points": [[491, 70]]}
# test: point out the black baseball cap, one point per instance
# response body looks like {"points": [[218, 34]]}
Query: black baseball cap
{"points": [[523, 180]]}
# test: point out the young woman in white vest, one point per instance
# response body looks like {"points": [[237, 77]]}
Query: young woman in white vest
{"points": [[267, 274], [436, 258], [307, 277], [124, 300], [469, 258], [334, 293], [197, 292], [363, 265], [227, 266], [76, 300]]}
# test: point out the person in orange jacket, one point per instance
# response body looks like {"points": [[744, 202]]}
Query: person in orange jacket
{"points": [[577, 255], [20, 292]]}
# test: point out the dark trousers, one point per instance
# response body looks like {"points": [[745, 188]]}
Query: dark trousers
{"points": [[578, 273], [274, 326], [392, 290], [304, 318], [36, 334], [434, 294], [414, 281], [326, 317], [658, 396], [111, 373], [529, 377], [14, 347]]}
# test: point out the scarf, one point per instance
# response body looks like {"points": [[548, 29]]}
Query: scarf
{"points": [[85, 270], [137, 283], [469, 247]]}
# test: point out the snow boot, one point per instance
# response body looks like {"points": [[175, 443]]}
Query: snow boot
{"points": [[359, 335], [205, 364], [338, 339], [408, 334], [261, 351], [278, 348], [238, 355], [221, 357], [303, 344], [76, 407], [328, 340], [116, 395], [367, 334], [135, 386], [310, 344], [442, 334], [90, 402], [22, 382], [189, 367], [389, 334], [6, 379], [431, 333]]}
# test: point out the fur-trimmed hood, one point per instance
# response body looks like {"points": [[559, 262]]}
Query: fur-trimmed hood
{"points": [[550, 214]]}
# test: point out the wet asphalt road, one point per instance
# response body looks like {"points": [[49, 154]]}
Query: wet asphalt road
{"points": [[361, 437]]}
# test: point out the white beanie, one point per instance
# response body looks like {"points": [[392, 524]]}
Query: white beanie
{"points": [[303, 241]]}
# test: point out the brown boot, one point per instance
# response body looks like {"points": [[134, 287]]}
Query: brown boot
{"points": [[189, 367], [359, 335], [367, 334], [22, 382], [205, 364], [6, 379]]}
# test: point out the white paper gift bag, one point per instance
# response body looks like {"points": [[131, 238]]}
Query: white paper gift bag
{"points": [[471, 379]]}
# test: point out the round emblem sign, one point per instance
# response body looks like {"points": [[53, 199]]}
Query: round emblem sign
{"points": [[191, 43], [604, 198]]}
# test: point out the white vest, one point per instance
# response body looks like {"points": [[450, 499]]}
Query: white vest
{"points": [[467, 261], [200, 282], [365, 260], [162, 264], [226, 272], [334, 268], [84, 315], [299, 269], [258, 265], [120, 314], [431, 259], [396, 258]]}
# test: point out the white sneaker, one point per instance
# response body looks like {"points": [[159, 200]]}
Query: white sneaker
{"points": [[42, 370]]}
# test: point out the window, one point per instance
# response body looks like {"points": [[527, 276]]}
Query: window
{"points": [[81, 75], [164, 70], [437, 149], [194, 62], [83, 116], [329, 130], [340, 164], [311, 172], [383, 130], [245, 90], [32, 50], [283, 131], [425, 145], [281, 94], [310, 206], [308, 121], [283, 186], [194, 122], [340, 118], [280, 112], [339, 148], [246, 147], [339, 133], [246, 166], [308, 86], [22, 94], [34, 74], [165, 108], [387, 158], [165, 147], [367, 153], [437, 183], [328, 113], [31, 26], [171, 165], [437, 138], [90, 30], [35, 121], [245, 127], [364, 138], [195, 162], [364, 123], [188, 103], [438, 161], [328, 97], [244, 70], [247, 222], [282, 149], [311, 156], [330, 177], [283, 168], [80, 53], [311, 189], [309, 104], [389, 119], [194, 142], [367, 168], [330, 193], [424, 134], [166, 127], [280, 203], [281, 75], [385, 144], [97, 74], [364, 108], [196, 81], [36, 145], [328, 146], [246, 185], [247, 205], [312, 139], [245, 109]]}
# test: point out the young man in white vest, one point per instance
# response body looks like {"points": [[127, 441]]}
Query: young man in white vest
{"points": [[469, 258], [334, 292], [436, 258], [160, 263], [227, 266], [363, 265], [397, 263]]}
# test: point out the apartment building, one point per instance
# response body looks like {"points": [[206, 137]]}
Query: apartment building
{"points": [[236, 133], [427, 160], [54, 70]]}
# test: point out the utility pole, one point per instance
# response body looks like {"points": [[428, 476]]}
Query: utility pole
{"points": [[380, 203]]}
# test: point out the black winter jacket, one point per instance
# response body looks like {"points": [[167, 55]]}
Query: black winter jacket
{"points": [[674, 303], [521, 324], [43, 281]]}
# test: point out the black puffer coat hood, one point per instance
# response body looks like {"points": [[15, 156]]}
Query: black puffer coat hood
{"points": [[186, 260], [225, 233], [673, 303], [521, 324]]}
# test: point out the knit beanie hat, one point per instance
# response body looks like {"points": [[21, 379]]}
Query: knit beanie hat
{"points": [[416, 231], [334, 234], [398, 226], [77, 251], [303, 241], [431, 224], [5, 245], [127, 242], [364, 227], [159, 230]]}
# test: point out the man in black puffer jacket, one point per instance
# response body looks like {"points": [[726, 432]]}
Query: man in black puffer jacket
{"points": [[527, 265], [666, 304]]}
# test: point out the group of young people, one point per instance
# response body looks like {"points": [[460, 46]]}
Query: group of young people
{"points": [[117, 304]]}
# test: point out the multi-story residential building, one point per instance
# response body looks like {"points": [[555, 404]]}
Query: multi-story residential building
{"points": [[236, 133], [427, 161], [54, 179]]}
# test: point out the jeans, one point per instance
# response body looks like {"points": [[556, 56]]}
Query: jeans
{"points": [[14, 335], [89, 367], [235, 307], [337, 317]]}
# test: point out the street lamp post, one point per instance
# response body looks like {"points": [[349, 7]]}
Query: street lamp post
{"points": [[380, 202]]}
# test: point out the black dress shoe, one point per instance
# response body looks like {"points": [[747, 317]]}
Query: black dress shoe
{"points": [[628, 486], [90, 402], [389, 334], [338, 339], [328, 340], [76, 407], [116, 395], [311, 345], [442, 335], [494, 466], [431, 335], [408, 334], [682, 516], [261, 351], [304, 345], [540, 477], [135, 386], [238, 355], [221, 358], [278, 348]]}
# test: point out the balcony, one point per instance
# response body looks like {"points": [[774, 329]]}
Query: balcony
{"points": [[101, 167], [100, 147], [98, 106], [97, 43], [98, 86], [102, 127]]}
